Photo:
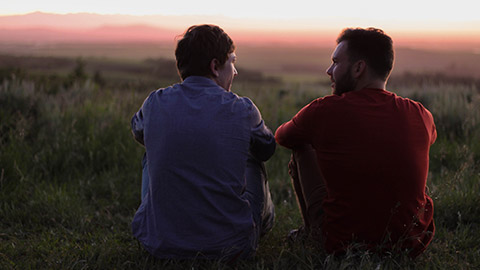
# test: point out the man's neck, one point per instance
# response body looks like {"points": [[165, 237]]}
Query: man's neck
{"points": [[376, 84]]}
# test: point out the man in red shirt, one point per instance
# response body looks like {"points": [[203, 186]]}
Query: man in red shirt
{"points": [[360, 156]]}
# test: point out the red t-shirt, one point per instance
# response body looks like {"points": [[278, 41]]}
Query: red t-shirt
{"points": [[373, 151]]}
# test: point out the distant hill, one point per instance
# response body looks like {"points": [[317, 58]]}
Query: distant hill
{"points": [[272, 52], [39, 27], [130, 33], [42, 27], [86, 20]]}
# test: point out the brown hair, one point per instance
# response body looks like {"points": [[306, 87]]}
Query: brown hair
{"points": [[199, 45], [371, 45]]}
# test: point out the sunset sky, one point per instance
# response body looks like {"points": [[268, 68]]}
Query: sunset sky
{"points": [[412, 15], [447, 21]]}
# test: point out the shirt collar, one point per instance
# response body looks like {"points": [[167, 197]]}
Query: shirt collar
{"points": [[199, 80], [374, 89]]}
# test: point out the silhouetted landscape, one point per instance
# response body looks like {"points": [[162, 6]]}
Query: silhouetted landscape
{"points": [[70, 171]]}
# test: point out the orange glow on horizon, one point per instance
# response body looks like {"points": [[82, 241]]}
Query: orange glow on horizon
{"points": [[83, 27]]}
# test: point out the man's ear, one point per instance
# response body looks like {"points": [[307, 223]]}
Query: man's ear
{"points": [[359, 68], [214, 67]]}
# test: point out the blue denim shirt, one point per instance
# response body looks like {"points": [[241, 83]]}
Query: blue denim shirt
{"points": [[197, 138]]}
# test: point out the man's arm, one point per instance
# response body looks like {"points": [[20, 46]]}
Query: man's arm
{"points": [[429, 122], [295, 132], [137, 122], [262, 141], [433, 129], [137, 126]]}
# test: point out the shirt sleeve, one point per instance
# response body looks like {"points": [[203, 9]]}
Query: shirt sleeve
{"points": [[298, 130], [262, 141], [429, 123], [137, 122], [433, 129]]}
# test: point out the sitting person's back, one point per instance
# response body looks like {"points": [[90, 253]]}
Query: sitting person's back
{"points": [[207, 194], [372, 148], [367, 182]]}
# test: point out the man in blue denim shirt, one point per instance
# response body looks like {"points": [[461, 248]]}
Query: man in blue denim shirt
{"points": [[205, 189]]}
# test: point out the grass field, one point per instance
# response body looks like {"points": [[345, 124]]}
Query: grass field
{"points": [[70, 170]]}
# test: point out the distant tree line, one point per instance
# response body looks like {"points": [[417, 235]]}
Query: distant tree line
{"points": [[432, 79], [56, 73]]}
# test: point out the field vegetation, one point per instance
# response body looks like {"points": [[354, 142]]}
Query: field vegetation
{"points": [[70, 170]]}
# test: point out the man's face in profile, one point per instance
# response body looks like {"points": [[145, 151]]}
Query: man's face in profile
{"points": [[340, 70], [227, 72]]}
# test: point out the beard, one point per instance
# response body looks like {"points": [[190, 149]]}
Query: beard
{"points": [[344, 84]]}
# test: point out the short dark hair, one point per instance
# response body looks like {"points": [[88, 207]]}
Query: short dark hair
{"points": [[371, 45], [199, 45]]}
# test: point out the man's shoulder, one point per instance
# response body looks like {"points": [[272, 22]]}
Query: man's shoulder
{"points": [[330, 99], [158, 96], [242, 101], [325, 102], [162, 90], [171, 90], [413, 107], [409, 102]]}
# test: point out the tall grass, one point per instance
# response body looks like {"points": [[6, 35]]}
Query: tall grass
{"points": [[70, 179]]}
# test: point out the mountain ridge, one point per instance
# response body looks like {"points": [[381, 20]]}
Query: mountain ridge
{"points": [[41, 27]]}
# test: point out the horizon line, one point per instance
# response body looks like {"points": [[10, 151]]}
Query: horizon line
{"points": [[433, 39]]}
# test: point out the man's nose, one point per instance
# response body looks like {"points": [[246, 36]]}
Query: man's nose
{"points": [[329, 70]]}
